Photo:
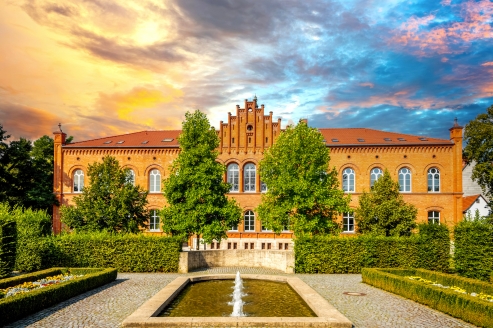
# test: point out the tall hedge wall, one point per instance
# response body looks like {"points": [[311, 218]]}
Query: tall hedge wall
{"points": [[328, 254], [8, 241], [474, 249], [125, 252]]}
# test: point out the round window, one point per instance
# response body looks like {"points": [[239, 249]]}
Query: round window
{"points": [[249, 127]]}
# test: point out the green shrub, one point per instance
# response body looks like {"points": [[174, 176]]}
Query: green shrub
{"points": [[31, 227], [468, 308], [125, 252], [474, 249], [333, 254], [20, 305], [8, 241]]}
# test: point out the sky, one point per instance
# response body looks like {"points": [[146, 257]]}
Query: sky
{"points": [[105, 67]]}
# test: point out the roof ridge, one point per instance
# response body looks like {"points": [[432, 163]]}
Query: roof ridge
{"points": [[405, 134], [119, 135]]}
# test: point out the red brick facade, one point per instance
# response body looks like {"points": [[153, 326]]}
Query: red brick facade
{"points": [[244, 138]]}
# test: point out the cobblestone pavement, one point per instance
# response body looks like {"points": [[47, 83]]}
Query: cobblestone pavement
{"points": [[109, 305]]}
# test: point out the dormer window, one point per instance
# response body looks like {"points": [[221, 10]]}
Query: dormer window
{"points": [[423, 139], [401, 139], [361, 140], [387, 139], [335, 140], [171, 139], [120, 142], [145, 141], [107, 142]]}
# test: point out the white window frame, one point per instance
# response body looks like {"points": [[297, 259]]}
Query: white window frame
{"points": [[154, 221], [78, 184], [433, 217], [131, 179], [348, 176], [233, 177], [154, 181], [433, 179], [249, 177], [405, 180], [375, 174], [348, 222], [249, 221], [263, 186]]}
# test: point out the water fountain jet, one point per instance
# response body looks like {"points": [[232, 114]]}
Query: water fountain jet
{"points": [[237, 294]]}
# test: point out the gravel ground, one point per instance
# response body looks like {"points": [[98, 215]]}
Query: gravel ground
{"points": [[109, 305]]}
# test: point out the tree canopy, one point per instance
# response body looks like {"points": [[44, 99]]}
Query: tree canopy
{"points": [[382, 211], [26, 172], [195, 190], [303, 194], [478, 136], [109, 203]]}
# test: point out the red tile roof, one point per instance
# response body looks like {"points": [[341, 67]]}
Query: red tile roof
{"points": [[167, 138], [467, 202], [364, 136], [344, 137]]}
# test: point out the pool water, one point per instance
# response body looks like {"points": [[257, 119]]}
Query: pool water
{"points": [[263, 299]]}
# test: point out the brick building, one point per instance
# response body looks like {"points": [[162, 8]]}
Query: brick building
{"points": [[429, 170]]}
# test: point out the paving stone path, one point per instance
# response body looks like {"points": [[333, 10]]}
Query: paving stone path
{"points": [[109, 305]]}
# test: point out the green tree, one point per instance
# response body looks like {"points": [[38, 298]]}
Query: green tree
{"points": [[479, 149], [303, 194], [109, 203], [3, 172], [382, 211], [195, 190]]}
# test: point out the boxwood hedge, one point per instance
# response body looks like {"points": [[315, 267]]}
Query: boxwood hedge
{"points": [[430, 249], [20, 305], [8, 244], [466, 307], [125, 252]]}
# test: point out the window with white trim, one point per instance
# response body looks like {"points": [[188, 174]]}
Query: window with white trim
{"points": [[263, 186], [249, 177], [375, 174], [348, 222], [249, 221], [78, 181], [155, 181], [154, 221], [348, 179], [131, 177], [233, 176], [234, 228], [405, 180], [265, 229], [434, 217], [433, 180]]}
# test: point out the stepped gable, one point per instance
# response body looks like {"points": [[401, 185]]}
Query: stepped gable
{"points": [[363, 136], [161, 139]]}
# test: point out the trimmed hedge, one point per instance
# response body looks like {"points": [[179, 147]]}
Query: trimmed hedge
{"points": [[125, 252], [474, 249], [468, 308], [8, 244], [330, 254], [20, 305]]}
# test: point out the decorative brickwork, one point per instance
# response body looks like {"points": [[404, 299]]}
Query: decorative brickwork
{"points": [[243, 140]]}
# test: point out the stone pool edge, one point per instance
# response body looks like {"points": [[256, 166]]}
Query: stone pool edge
{"points": [[327, 315]]}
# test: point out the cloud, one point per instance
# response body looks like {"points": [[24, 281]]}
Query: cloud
{"points": [[430, 35], [27, 122]]}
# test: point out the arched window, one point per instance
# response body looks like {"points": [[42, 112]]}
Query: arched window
{"points": [[249, 177], [405, 179], [249, 221], [433, 180], [434, 217], [154, 221], [234, 177], [131, 177], [375, 174], [78, 181], [348, 180], [263, 186], [155, 181], [348, 222]]}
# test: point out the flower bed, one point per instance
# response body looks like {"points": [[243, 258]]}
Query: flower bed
{"points": [[31, 296], [468, 299]]}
